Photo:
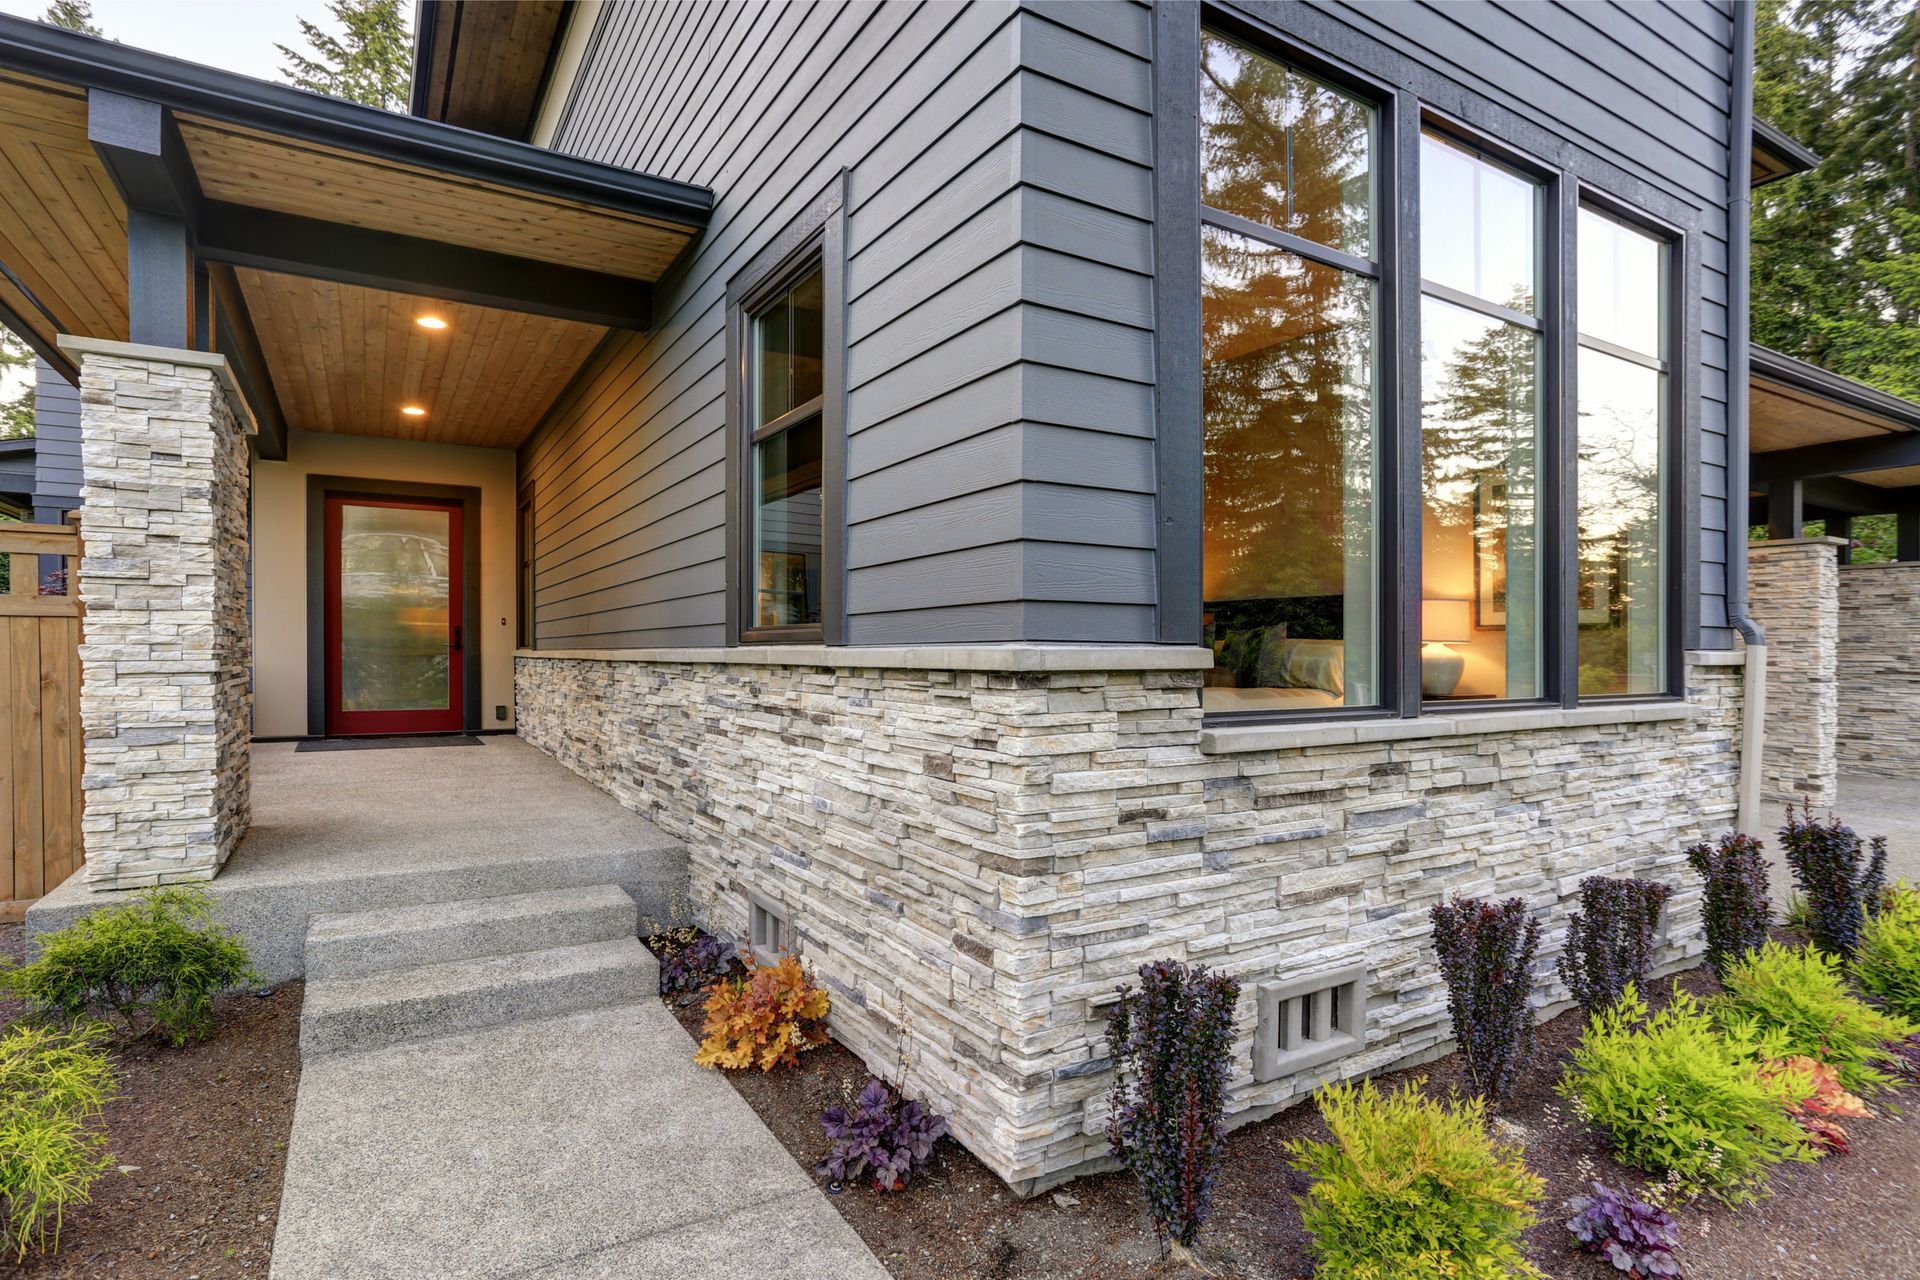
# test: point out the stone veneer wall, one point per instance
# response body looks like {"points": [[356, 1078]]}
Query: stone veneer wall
{"points": [[1793, 590], [1879, 721], [165, 699], [974, 860]]}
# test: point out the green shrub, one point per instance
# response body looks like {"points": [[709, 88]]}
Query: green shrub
{"points": [[54, 1085], [152, 966], [1800, 994], [1410, 1186], [1887, 965], [1678, 1097]]}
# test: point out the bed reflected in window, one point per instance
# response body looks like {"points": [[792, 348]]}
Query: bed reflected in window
{"points": [[1288, 289]]}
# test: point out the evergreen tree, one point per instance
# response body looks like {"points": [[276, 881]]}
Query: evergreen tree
{"points": [[74, 15], [1835, 275], [373, 64], [16, 412]]}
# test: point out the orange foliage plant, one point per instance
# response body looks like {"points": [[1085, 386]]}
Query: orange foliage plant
{"points": [[763, 1019]]}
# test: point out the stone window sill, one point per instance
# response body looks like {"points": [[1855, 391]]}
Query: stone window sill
{"points": [[1025, 657], [1282, 737]]}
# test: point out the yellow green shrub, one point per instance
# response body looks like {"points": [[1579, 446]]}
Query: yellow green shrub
{"points": [[1412, 1186]]}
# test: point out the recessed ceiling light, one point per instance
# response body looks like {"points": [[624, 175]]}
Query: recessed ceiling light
{"points": [[413, 410], [430, 322]]}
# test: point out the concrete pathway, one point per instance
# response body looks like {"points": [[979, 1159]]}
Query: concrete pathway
{"points": [[1872, 806], [585, 1147]]}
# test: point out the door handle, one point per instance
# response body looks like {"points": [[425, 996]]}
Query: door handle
{"points": [[456, 639]]}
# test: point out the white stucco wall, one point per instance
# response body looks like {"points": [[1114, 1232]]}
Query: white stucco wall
{"points": [[280, 561]]}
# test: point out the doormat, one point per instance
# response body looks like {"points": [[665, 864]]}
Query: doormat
{"points": [[388, 744]]}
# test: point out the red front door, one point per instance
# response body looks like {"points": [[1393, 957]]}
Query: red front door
{"points": [[395, 658]]}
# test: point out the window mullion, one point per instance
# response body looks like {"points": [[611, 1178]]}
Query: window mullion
{"points": [[1402, 589], [1562, 438]]}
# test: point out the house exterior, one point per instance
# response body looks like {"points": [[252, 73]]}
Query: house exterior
{"points": [[1018, 489]]}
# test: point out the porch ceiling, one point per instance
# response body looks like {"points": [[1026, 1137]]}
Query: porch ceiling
{"points": [[345, 358], [322, 230]]}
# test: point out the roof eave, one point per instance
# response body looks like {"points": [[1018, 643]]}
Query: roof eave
{"points": [[55, 54], [1777, 366]]}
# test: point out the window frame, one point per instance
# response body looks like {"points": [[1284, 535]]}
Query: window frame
{"points": [[1178, 398], [1680, 495], [814, 238], [1406, 98], [1554, 486]]}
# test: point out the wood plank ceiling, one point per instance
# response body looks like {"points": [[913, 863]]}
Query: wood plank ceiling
{"points": [[499, 91], [346, 359], [266, 172], [1783, 417], [63, 228], [341, 357]]}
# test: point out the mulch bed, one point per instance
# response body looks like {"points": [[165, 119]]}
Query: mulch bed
{"points": [[1855, 1216], [200, 1138]]}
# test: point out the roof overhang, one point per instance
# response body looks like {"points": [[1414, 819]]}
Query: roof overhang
{"points": [[1847, 448], [329, 224], [1777, 155], [485, 64]]}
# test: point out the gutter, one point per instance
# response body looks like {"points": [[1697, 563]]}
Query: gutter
{"points": [[1753, 705]]}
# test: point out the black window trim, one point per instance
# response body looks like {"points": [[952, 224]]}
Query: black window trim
{"points": [[817, 236], [1407, 99]]}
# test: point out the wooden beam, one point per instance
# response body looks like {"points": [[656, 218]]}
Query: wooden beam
{"points": [[247, 237], [236, 339], [140, 148], [1839, 526], [1844, 457], [1785, 514]]}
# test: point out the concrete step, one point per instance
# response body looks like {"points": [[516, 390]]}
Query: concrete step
{"points": [[355, 943], [341, 1015]]}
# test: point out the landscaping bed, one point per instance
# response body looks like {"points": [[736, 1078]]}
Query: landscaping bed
{"points": [[199, 1142], [1853, 1216]]}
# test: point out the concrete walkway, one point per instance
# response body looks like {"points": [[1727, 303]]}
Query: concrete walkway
{"points": [[587, 1147], [1872, 806]]}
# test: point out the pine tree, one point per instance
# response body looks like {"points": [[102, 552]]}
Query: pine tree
{"points": [[1835, 276], [74, 15], [16, 412], [373, 64]]}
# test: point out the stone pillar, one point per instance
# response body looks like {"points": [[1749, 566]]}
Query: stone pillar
{"points": [[165, 702], [1793, 586], [1880, 669]]}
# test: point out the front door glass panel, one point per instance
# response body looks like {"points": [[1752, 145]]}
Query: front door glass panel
{"points": [[394, 606]]}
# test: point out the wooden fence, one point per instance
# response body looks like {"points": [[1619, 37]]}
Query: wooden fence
{"points": [[40, 615]]}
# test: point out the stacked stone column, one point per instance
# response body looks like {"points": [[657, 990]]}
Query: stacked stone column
{"points": [[165, 703], [1793, 587]]}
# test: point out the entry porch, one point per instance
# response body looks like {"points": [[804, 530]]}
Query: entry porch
{"points": [[309, 338], [348, 830]]}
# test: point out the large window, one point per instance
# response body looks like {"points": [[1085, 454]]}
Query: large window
{"points": [[785, 365], [1289, 287], [1622, 444], [1480, 357], [1522, 461]]}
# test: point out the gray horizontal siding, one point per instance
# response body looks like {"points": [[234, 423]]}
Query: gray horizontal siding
{"points": [[765, 104], [56, 416], [1000, 470]]}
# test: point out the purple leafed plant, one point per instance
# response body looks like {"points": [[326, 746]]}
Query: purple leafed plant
{"points": [[1906, 1058], [1610, 938], [1172, 1044], [879, 1136], [1486, 956], [1841, 876], [1634, 1236], [1737, 911], [695, 965]]}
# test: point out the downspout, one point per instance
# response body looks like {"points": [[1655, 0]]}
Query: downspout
{"points": [[1753, 706]]}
